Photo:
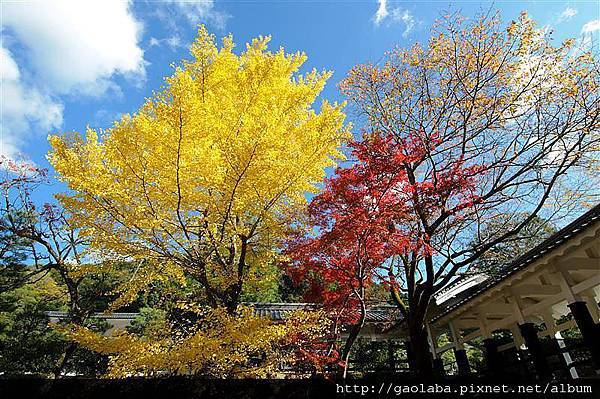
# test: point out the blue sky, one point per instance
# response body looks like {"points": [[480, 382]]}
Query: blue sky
{"points": [[65, 65]]}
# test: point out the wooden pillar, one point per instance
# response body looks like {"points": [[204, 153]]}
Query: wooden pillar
{"points": [[493, 362], [492, 357], [462, 361], [460, 354], [590, 331], [517, 338], [582, 315], [556, 338], [566, 354], [520, 349], [438, 367], [530, 336], [409, 355], [590, 299], [438, 364], [391, 355]]}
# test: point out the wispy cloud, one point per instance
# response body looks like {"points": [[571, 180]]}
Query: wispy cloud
{"points": [[590, 27], [567, 14], [25, 107], [406, 17], [394, 15], [172, 42], [587, 32], [195, 11], [381, 13]]}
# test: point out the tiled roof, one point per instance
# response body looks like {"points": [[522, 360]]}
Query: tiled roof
{"points": [[552, 242], [109, 316], [279, 311], [381, 313]]}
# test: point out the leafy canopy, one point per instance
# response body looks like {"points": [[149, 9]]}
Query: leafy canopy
{"points": [[197, 188], [204, 177]]}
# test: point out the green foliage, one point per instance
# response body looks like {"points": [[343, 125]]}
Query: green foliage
{"points": [[505, 252], [569, 333], [371, 356], [262, 284], [149, 322], [475, 354], [12, 255], [290, 291], [28, 344], [378, 292]]}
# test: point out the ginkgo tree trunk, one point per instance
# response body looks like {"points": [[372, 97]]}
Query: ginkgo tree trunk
{"points": [[486, 123]]}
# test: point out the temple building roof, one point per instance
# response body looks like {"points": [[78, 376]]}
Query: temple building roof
{"points": [[377, 313], [459, 293]]}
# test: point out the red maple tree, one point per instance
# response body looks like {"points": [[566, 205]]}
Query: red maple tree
{"points": [[361, 224]]}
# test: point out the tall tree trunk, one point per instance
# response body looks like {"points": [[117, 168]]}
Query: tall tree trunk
{"points": [[232, 298], [78, 317], [353, 336], [422, 364]]}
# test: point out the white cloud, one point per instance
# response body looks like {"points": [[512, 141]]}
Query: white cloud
{"points": [[567, 14], [395, 15], [591, 26], [587, 32], [406, 17], [65, 47], [173, 42], [24, 108], [153, 42], [76, 43], [382, 12]]}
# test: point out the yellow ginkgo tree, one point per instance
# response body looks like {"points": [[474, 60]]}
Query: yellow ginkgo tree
{"points": [[205, 178]]}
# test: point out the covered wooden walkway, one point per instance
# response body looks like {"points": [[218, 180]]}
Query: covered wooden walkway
{"points": [[520, 317]]}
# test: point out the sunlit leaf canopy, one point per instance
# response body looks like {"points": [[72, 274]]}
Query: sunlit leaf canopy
{"points": [[205, 175]]}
